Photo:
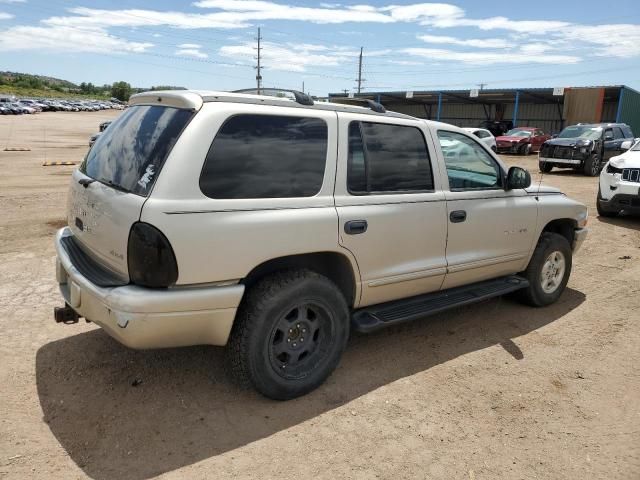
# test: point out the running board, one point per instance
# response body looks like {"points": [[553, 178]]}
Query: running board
{"points": [[376, 317]]}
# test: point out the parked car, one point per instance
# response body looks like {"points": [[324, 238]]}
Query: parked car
{"points": [[619, 186], [496, 127], [31, 104], [276, 226], [485, 137], [18, 108], [585, 147], [522, 140], [5, 110]]}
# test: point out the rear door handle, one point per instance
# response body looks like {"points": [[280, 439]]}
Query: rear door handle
{"points": [[458, 216], [355, 227]]}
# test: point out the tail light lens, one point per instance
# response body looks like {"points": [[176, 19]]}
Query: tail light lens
{"points": [[150, 257]]}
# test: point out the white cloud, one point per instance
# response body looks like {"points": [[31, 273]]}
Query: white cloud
{"points": [[621, 40], [13, 1], [190, 45], [5, 16], [292, 57], [471, 42], [488, 58], [65, 39], [191, 52]]}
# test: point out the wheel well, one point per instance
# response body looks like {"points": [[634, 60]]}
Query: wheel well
{"points": [[562, 226], [335, 266]]}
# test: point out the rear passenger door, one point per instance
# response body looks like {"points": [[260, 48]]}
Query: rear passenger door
{"points": [[491, 231], [391, 208]]}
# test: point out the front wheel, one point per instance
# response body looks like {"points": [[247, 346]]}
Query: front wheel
{"points": [[602, 210], [545, 167], [525, 149], [548, 271], [591, 166], [289, 334]]}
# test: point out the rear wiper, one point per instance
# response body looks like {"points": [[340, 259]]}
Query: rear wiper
{"points": [[115, 186]]}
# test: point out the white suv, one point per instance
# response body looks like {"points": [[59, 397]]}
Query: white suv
{"points": [[275, 226], [619, 187]]}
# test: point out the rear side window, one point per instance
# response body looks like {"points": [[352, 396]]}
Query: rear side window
{"points": [[128, 155], [627, 132], [266, 156], [617, 133], [387, 158]]}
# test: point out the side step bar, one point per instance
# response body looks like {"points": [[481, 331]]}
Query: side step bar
{"points": [[376, 317]]}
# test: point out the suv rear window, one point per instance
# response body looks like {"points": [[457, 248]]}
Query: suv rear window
{"points": [[266, 156], [129, 155]]}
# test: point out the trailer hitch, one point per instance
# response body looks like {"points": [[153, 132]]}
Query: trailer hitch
{"points": [[65, 315]]}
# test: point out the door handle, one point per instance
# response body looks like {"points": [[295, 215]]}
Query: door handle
{"points": [[355, 227], [458, 216]]}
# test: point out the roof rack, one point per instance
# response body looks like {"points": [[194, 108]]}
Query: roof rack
{"points": [[375, 106], [299, 97]]}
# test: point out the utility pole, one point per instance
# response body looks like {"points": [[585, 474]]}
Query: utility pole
{"points": [[345, 90], [360, 79], [258, 68], [481, 85], [302, 86]]}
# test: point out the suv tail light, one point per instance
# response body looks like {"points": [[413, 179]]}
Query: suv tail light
{"points": [[150, 257]]}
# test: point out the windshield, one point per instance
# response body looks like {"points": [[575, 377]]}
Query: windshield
{"points": [[128, 156], [588, 133], [518, 133]]}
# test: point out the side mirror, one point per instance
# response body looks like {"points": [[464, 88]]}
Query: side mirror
{"points": [[626, 145], [517, 178], [555, 135]]}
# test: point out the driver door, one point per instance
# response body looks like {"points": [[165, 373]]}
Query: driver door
{"points": [[491, 231]]}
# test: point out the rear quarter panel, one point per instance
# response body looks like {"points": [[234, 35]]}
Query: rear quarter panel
{"points": [[218, 240]]}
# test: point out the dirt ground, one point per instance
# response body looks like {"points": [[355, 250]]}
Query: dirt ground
{"points": [[497, 390]]}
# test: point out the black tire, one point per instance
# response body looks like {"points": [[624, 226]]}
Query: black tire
{"points": [[534, 294], [545, 167], [525, 149], [268, 315], [591, 166], [602, 210]]}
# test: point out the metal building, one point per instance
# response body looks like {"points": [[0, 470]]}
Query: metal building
{"points": [[550, 109]]}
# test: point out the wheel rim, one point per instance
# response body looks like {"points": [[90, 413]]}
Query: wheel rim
{"points": [[552, 272], [300, 339], [595, 166]]}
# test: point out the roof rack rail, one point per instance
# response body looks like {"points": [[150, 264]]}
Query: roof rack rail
{"points": [[299, 97], [375, 106]]}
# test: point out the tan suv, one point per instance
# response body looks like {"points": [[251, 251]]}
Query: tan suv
{"points": [[276, 226]]}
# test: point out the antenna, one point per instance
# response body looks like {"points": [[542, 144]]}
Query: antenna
{"points": [[360, 79], [258, 67]]}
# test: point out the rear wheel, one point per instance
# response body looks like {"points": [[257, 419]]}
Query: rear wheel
{"points": [[525, 149], [591, 166], [548, 271], [289, 334]]}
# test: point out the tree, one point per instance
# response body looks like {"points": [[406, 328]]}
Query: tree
{"points": [[121, 91]]}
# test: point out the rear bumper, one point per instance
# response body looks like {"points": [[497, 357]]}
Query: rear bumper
{"points": [[148, 318]]}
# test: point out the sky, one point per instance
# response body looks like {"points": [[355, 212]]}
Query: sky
{"points": [[211, 44]]}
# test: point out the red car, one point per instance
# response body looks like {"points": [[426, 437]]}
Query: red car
{"points": [[521, 140]]}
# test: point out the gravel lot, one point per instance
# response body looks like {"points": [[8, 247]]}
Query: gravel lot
{"points": [[496, 390]]}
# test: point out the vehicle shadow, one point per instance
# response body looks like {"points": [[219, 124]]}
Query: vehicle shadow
{"points": [[624, 220], [128, 414]]}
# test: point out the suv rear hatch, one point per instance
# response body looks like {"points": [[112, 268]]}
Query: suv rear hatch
{"points": [[109, 189]]}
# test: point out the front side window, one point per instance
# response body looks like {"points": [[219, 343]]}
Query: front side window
{"points": [[266, 156], [617, 133], [387, 158], [469, 166]]}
